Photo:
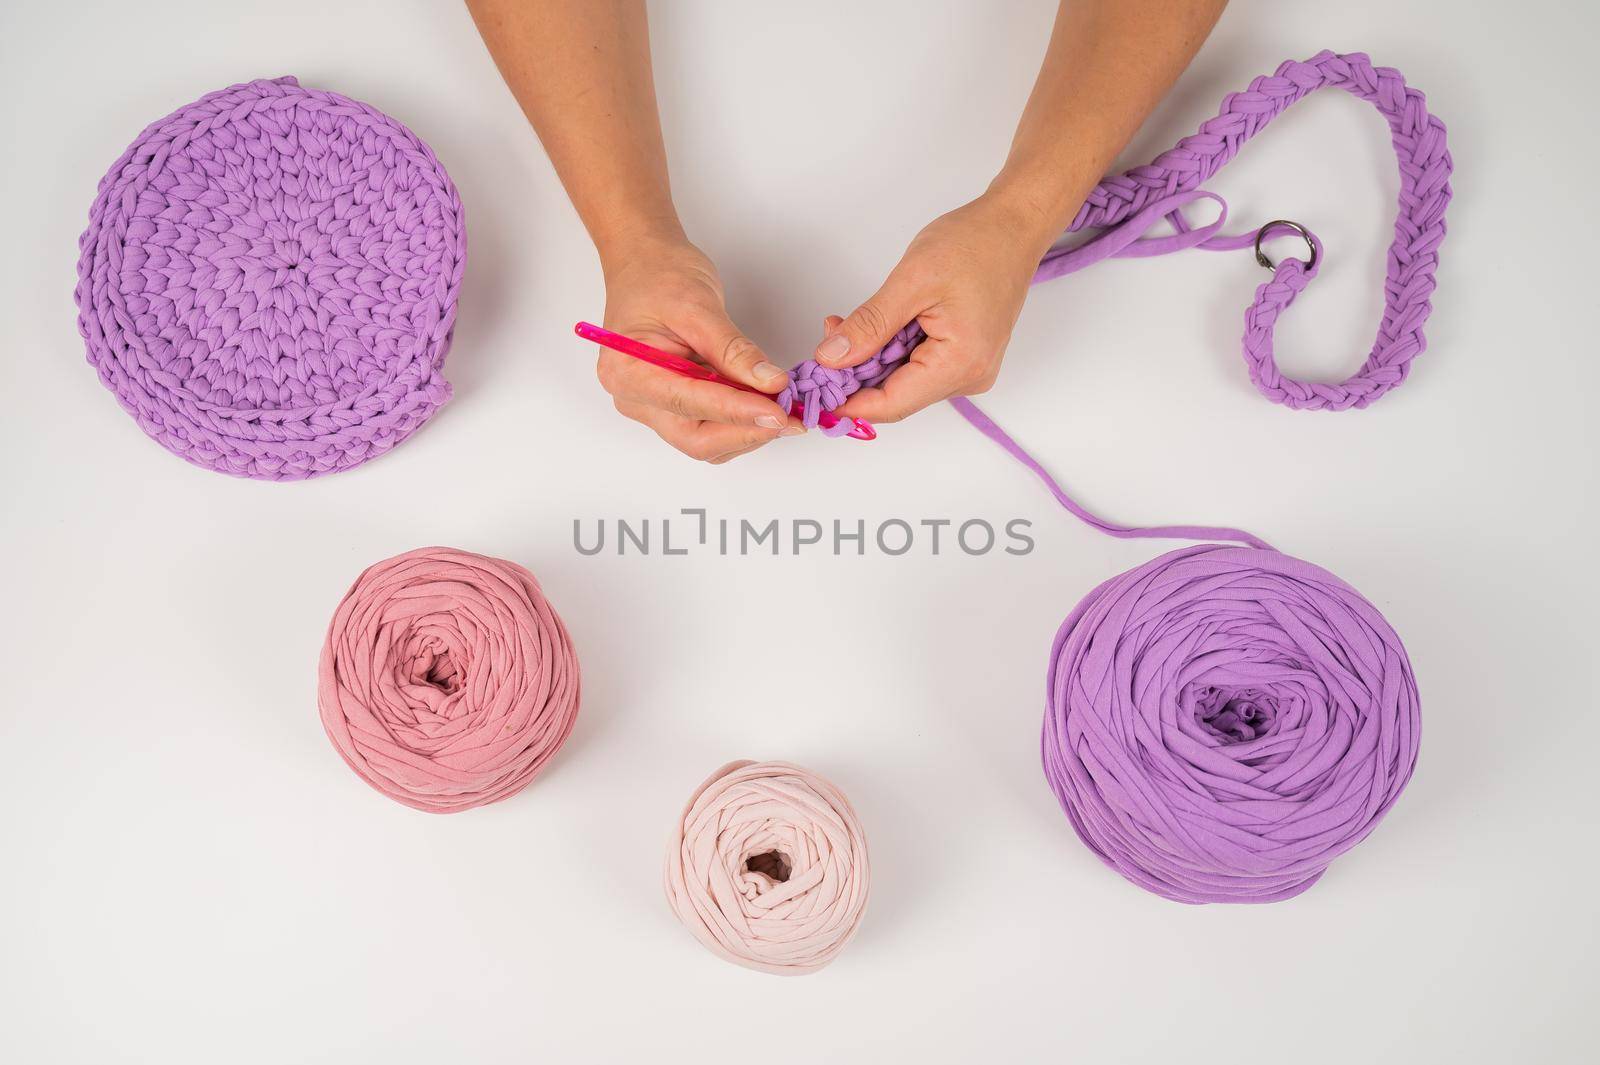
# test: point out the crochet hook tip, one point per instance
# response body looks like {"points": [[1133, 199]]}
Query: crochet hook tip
{"points": [[859, 428]]}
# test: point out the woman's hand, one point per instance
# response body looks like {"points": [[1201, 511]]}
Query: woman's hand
{"points": [[963, 279], [964, 276], [668, 295], [581, 71]]}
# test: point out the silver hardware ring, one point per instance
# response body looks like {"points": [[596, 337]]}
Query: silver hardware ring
{"points": [[1261, 256]]}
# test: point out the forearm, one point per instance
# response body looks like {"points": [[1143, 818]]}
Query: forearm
{"points": [[1108, 64], [581, 71]]}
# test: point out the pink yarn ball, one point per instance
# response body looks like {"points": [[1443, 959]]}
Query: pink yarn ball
{"points": [[447, 680], [768, 867]]}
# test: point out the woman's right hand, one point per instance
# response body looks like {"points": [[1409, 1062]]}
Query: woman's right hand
{"points": [[669, 296]]}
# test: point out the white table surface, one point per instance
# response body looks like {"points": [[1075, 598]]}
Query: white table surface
{"points": [[188, 873]]}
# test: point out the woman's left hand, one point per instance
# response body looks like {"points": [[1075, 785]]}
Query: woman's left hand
{"points": [[963, 279]]}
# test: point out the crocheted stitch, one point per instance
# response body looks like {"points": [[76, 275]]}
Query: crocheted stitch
{"points": [[268, 282]]}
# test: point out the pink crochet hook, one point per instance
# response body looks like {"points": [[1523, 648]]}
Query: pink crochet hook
{"points": [[862, 430]]}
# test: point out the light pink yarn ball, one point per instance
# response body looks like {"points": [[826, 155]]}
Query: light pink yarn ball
{"points": [[768, 867]]}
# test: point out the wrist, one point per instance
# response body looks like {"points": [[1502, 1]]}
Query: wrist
{"points": [[1036, 207], [620, 241]]}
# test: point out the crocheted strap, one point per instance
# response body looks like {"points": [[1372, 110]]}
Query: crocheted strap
{"points": [[1127, 205], [1132, 203]]}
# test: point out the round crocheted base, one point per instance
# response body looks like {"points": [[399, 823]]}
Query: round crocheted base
{"points": [[268, 282]]}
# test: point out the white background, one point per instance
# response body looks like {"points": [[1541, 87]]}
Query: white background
{"points": [[189, 873]]}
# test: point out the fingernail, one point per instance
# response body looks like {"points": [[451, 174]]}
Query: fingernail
{"points": [[793, 430], [765, 371], [834, 348], [770, 421]]}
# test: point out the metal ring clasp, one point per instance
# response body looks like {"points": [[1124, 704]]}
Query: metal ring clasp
{"points": [[1305, 234]]}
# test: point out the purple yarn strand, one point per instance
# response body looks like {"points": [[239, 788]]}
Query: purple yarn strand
{"points": [[986, 425], [268, 281]]}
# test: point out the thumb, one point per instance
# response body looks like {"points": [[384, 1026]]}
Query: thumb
{"points": [[871, 325], [718, 341]]}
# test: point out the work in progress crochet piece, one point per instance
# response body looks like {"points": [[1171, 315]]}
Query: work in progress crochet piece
{"points": [[767, 866], [447, 679], [268, 282], [1127, 205]]}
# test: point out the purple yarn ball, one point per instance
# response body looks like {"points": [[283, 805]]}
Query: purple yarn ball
{"points": [[1223, 722]]}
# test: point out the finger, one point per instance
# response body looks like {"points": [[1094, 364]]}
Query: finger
{"points": [[704, 441], [630, 380], [870, 326], [912, 387], [709, 442], [718, 341], [730, 456]]}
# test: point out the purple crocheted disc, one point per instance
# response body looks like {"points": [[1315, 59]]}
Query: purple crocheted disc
{"points": [[269, 278]]}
